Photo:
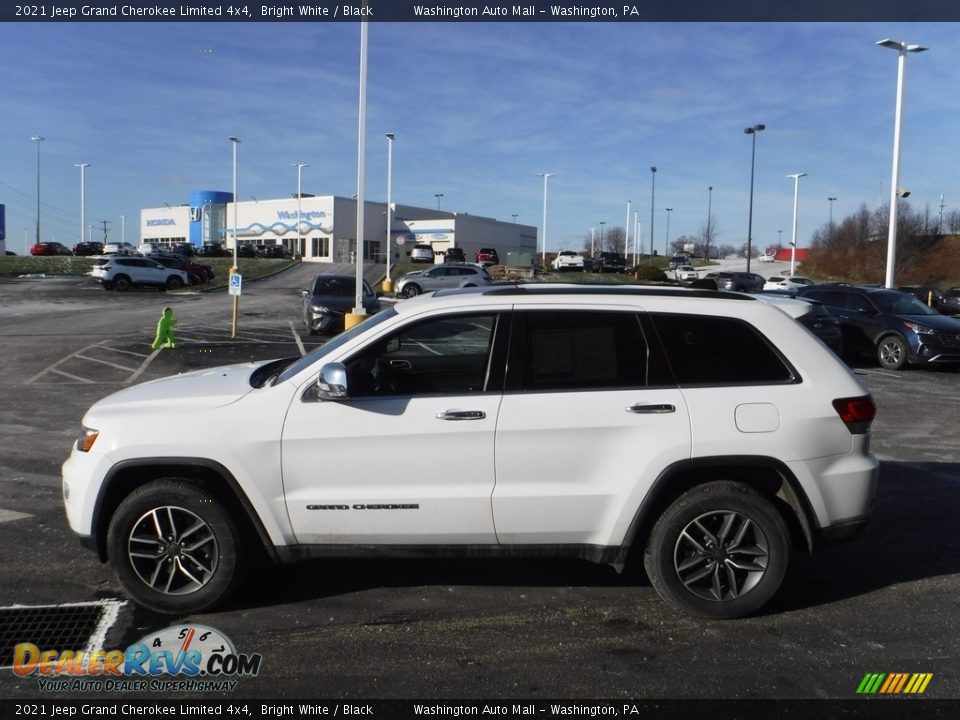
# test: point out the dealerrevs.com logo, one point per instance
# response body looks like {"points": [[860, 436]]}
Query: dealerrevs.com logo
{"points": [[180, 658], [894, 683]]}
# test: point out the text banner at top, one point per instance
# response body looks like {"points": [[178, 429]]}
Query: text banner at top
{"points": [[537, 11]]}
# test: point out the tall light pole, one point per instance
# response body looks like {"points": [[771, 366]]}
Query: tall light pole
{"points": [[592, 250], [359, 311], [666, 243], [636, 238], [299, 166], [653, 186], [902, 49], [388, 283], [83, 202], [233, 271], [543, 253], [779, 238], [626, 239], [831, 201], [793, 243], [123, 229], [752, 132], [706, 249], [38, 139], [438, 196], [602, 223], [514, 216]]}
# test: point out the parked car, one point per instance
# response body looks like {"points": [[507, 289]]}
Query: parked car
{"points": [[214, 249], [329, 298], [677, 260], [184, 250], [87, 249], [150, 249], [740, 281], [685, 273], [567, 260], [951, 302], [931, 297], [787, 282], [767, 257], [276, 251], [246, 250], [119, 248], [889, 325], [487, 256], [454, 255], [743, 439], [421, 254], [50, 248], [609, 262], [812, 314], [196, 273], [448, 275], [122, 272]]}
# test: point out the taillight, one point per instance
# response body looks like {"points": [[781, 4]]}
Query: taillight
{"points": [[857, 413]]}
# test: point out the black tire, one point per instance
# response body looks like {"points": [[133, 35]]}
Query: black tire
{"points": [[412, 290], [107, 285], [719, 521], [163, 573], [174, 282], [122, 283], [194, 279], [892, 352]]}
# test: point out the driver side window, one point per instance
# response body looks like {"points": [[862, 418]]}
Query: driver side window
{"points": [[448, 355]]}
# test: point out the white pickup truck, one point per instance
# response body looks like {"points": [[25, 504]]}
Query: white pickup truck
{"points": [[567, 260]]}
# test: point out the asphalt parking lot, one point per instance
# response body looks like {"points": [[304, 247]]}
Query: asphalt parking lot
{"points": [[440, 629]]}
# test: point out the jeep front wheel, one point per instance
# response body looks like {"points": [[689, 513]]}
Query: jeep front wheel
{"points": [[174, 547], [719, 551]]}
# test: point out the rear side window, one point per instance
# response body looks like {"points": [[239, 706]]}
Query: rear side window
{"points": [[719, 351], [571, 350]]}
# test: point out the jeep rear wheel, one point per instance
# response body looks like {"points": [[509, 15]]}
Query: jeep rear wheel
{"points": [[719, 551], [174, 547]]}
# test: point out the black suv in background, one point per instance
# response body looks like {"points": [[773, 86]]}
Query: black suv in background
{"points": [[740, 281], [890, 325], [609, 262], [88, 248]]}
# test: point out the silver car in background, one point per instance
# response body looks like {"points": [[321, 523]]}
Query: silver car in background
{"points": [[448, 275]]}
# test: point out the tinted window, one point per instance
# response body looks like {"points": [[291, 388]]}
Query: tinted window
{"points": [[859, 303], [572, 350], [718, 351], [833, 298]]}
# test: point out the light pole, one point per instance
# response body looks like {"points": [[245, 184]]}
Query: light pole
{"points": [[83, 204], [666, 243], [38, 139], [123, 229], [438, 196], [602, 223], [543, 253], [388, 283], [831, 200], [902, 49], [359, 311], [514, 216], [636, 238], [653, 186], [779, 238], [706, 249], [793, 243], [626, 239], [233, 271], [299, 166], [592, 249], [752, 132]]}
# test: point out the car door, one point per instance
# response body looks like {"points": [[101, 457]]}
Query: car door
{"points": [[407, 458], [588, 422]]}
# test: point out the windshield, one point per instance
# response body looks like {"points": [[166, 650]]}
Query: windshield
{"points": [[317, 353], [898, 303], [338, 285]]}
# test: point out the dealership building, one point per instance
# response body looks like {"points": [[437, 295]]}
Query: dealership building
{"points": [[323, 228]]}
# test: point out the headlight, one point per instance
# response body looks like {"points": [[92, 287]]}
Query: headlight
{"points": [[320, 309], [87, 439], [920, 329]]}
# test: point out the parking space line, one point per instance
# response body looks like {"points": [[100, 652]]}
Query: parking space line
{"points": [[125, 352], [57, 371], [143, 366], [52, 367], [296, 337], [11, 515], [105, 362]]}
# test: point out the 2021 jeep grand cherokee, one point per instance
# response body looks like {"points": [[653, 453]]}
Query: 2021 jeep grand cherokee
{"points": [[722, 435]]}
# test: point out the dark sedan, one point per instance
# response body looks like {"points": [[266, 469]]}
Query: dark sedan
{"points": [[329, 298], [740, 281]]}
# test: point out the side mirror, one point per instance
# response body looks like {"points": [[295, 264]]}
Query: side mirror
{"points": [[332, 383]]}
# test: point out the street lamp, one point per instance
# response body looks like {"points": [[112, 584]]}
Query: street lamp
{"points": [[752, 132], [653, 186], [666, 244], [438, 196], [83, 204], [830, 200], [706, 249], [779, 238], [514, 216], [902, 49], [388, 283], [233, 271], [543, 253], [793, 243], [38, 139], [602, 223], [626, 239], [299, 167]]}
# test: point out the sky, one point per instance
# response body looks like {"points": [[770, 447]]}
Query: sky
{"points": [[479, 110]]}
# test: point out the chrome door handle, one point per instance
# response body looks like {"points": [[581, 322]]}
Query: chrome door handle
{"points": [[651, 409], [461, 415]]}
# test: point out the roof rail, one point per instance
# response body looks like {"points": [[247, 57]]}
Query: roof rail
{"points": [[638, 290]]}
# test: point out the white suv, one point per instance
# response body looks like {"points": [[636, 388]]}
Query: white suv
{"points": [[121, 273], [706, 432]]}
